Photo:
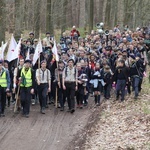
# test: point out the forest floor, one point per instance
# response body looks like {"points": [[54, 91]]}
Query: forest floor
{"points": [[112, 126], [118, 126]]}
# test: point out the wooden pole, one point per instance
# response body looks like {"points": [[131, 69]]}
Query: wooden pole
{"points": [[17, 95], [39, 53], [17, 99], [56, 94]]}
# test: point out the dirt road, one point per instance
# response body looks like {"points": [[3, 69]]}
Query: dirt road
{"points": [[52, 131]]}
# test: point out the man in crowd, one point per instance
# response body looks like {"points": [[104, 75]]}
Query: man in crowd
{"points": [[74, 32], [4, 87], [26, 79], [43, 78], [31, 38], [48, 39], [70, 84]]}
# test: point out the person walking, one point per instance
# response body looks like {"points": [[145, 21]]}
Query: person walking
{"points": [[43, 78], [70, 84], [26, 81], [4, 87]]}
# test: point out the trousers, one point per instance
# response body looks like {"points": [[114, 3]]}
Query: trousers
{"points": [[135, 85], [25, 97], [42, 92], [70, 92], [120, 87], [2, 99]]}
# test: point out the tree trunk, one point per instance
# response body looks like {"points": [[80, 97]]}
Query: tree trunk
{"points": [[37, 18], [87, 8], [63, 20], [49, 19], [104, 11], [82, 14], [73, 12], [2, 21], [100, 12], [107, 14], [112, 13], [18, 19], [91, 16], [120, 13]]}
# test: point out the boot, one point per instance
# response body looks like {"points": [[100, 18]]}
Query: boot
{"points": [[117, 96], [42, 111], [8, 98], [98, 100], [95, 99]]}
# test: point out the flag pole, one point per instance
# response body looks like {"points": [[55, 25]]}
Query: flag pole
{"points": [[39, 53], [39, 58], [56, 101], [19, 51], [17, 103], [56, 98]]}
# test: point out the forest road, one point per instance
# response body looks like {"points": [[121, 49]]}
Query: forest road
{"points": [[51, 131]]}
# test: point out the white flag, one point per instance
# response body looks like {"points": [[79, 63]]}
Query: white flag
{"points": [[1, 55], [2, 50], [28, 54], [54, 50], [38, 50], [13, 49]]}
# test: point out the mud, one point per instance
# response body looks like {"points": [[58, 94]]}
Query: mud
{"points": [[53, 131]]}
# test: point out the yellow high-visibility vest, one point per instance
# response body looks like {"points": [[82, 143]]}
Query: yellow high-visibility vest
{"points": [[27, 76], [3, 80]]}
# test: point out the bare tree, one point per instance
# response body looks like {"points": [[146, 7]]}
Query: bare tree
{"points": [[49, 20], [18, 19], [120, 14], [91, 16], [32, 15], [2, 21], [64, 13], [82, 14]]}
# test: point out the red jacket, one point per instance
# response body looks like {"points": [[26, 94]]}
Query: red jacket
{"points": [[75, 31]]}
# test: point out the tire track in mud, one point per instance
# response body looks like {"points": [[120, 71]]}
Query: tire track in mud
{"points": [[51, 131]]}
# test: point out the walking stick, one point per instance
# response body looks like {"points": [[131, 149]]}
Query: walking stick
{"points": [[17, 99], [56, 96]]}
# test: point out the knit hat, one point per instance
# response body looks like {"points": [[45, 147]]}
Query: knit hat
{"points": [[28, 61]]}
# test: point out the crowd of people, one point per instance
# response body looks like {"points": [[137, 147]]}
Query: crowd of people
{"points": [[90, 65]]}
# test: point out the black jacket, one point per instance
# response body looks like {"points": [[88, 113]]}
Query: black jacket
{"points": [[137, 68], [121, 73]]}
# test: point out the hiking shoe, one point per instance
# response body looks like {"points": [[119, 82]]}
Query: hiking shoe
{"points": [[72, 111], [2, 115], [69, 110], [33, 101], [135, 97], [81, 106], [42, 111], [98, 104], [62, 109], [27, 115]]}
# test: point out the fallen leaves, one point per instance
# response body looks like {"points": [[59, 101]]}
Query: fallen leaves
{"points": [[122, 126]]}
